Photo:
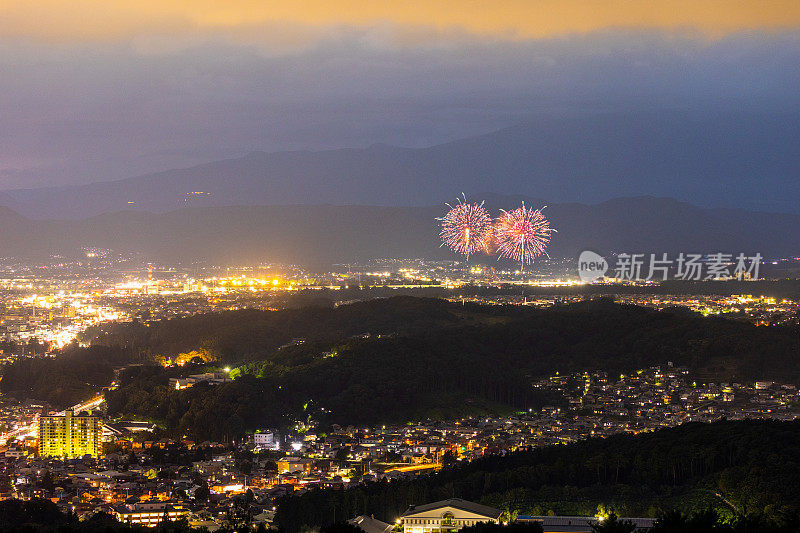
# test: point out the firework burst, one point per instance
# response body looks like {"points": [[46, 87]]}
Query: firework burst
{"points": [[522, 234], [466, 228]]}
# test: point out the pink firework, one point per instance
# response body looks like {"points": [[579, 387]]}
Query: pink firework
{"points": [[522, 234], [466, 228]]}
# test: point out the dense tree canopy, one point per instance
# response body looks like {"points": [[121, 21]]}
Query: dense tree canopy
{"points": [[740, 470], [435, 359], [422, 357], [26, 516]]}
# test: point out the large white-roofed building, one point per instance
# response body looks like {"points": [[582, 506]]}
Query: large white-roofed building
{"points": [[447, 516]]}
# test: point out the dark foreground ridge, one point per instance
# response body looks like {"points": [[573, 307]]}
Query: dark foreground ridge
{"points": [[743, 472]]}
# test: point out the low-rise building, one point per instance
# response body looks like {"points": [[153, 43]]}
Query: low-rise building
{"points": [[149, 513], [580, 524], [447, 516], [266, 440]]}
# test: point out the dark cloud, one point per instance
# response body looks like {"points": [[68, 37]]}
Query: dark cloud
{"points": [[79, 113]]}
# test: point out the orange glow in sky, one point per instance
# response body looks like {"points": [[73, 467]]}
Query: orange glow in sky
{"points": [[92, 20]]}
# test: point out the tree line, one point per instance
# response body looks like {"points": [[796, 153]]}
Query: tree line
{"points": [[427, 354], [449, 361], [744, 470]]}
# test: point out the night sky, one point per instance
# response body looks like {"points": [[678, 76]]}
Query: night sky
{"points": [[94, 90]]}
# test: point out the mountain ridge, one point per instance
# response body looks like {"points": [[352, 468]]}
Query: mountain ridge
{"points": [[705, 160], [327, 234]]}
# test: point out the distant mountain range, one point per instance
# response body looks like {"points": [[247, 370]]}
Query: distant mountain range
{"points": [[321, 235], [730, 159]]}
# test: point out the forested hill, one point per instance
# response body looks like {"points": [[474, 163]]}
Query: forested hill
{"points": [[422, 357], [746, 468], [252, 334], [430, 358], [593, 334]]}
